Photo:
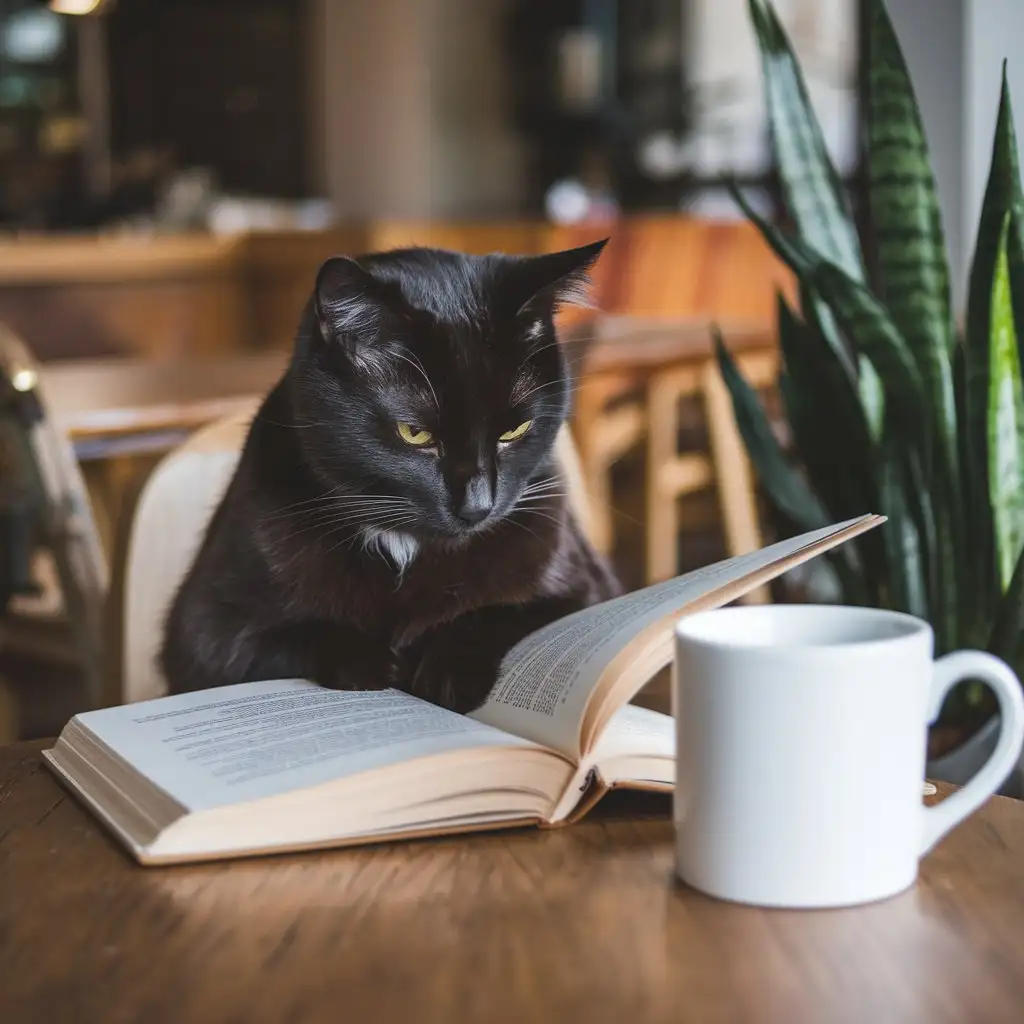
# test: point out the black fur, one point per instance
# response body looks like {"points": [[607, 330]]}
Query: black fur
{"points": [[289, 580]]}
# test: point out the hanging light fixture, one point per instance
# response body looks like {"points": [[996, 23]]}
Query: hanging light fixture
{"points": [[79, 6]]}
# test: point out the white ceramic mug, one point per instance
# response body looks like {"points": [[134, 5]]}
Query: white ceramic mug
{"points": [[801, 742]]}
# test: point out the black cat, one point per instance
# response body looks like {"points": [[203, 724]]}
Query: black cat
{"points": [[397, 517]]}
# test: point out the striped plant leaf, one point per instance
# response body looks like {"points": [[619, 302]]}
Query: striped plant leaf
{"points": [[907, 225], [869, 387], [1005, 424], [1015, 266], [872, 397], [831, 438], [786, 488], [860, 315], [882, 345], [802, 260], [1008, 626], [1002, 195], [905, 559], [826, 419], [923, 511], [813, 192]]}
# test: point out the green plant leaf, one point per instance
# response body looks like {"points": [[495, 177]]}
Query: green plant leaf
{"points": [[869, 388], [1002, 195], [860, 315], [1015, 266], [786, 488], [802, 260], [906, 220], [826, 419], [831, 440], [904, 555], [907, 226], [809, 266], [1005, 423], [872, 397], [813, 192], [1005, 639], [922, 508]]}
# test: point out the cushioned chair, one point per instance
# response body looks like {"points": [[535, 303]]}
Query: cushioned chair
{"points": [[172, 512]]}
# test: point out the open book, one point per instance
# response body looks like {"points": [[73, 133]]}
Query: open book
{"points": [[285, 765]]}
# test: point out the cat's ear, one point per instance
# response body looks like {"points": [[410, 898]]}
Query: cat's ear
{"points": [[348, 301], [544, 283]]}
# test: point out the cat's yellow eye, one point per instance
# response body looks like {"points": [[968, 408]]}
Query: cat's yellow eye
{"points": [[514, 435], [416, 436]]}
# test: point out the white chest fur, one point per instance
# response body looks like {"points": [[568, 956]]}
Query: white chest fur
{"points": [[398, 548]]}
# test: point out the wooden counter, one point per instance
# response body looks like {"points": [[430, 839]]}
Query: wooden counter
{"points": [[170, 296], [159, 297]]}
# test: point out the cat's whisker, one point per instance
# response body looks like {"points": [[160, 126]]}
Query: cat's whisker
{"points": [[370, 517], [543, 495], [542, 490], [330, 498], [543, 485], [309, 501], [336, 505], [543, 515], [523, 526], [330, 524], [569, 388], [415, 363], [320, 516], [390, 524], [301, 426]]}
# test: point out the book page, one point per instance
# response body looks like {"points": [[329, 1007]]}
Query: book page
{"points": [[546, 679], [245, 742], [636, 730]]}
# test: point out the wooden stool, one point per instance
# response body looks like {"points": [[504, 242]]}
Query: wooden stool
{"points": [[671, 474], [631, 377]]}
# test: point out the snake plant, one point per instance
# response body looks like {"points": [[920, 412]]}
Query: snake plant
{"points": [[891, 405]]}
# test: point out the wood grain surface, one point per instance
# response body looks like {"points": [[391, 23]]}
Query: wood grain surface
{"points": [[112, 398], [581, 924]]}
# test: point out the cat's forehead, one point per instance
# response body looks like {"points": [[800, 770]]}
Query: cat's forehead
{"points": [[450, 288], [461, 363]]}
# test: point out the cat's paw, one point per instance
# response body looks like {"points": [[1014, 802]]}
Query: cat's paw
{"points": [[455, 672]]}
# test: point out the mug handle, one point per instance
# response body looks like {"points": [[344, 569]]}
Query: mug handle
{"points": [[949, 670]]}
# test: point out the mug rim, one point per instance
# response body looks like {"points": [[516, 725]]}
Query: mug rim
{"points": [[914, 627]]}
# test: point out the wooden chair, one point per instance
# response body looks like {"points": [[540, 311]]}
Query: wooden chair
{"points": [[81, 442], [672, 474], [121, 415], [172, 512], [64, 621], [632, 374]]}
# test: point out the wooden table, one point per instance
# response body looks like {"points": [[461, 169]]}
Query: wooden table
{"points": [[122, 415], [112, 406], [582, 924]]}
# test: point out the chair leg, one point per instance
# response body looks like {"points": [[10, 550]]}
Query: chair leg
{"points": [[602, 439], [8, 714], [662, 516], [735, 480]]}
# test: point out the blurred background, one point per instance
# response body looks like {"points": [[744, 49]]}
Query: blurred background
{"points": [[173, 171], [162, 115]]}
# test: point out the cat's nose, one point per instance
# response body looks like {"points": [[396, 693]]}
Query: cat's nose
{"points": [[477, 501]]}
